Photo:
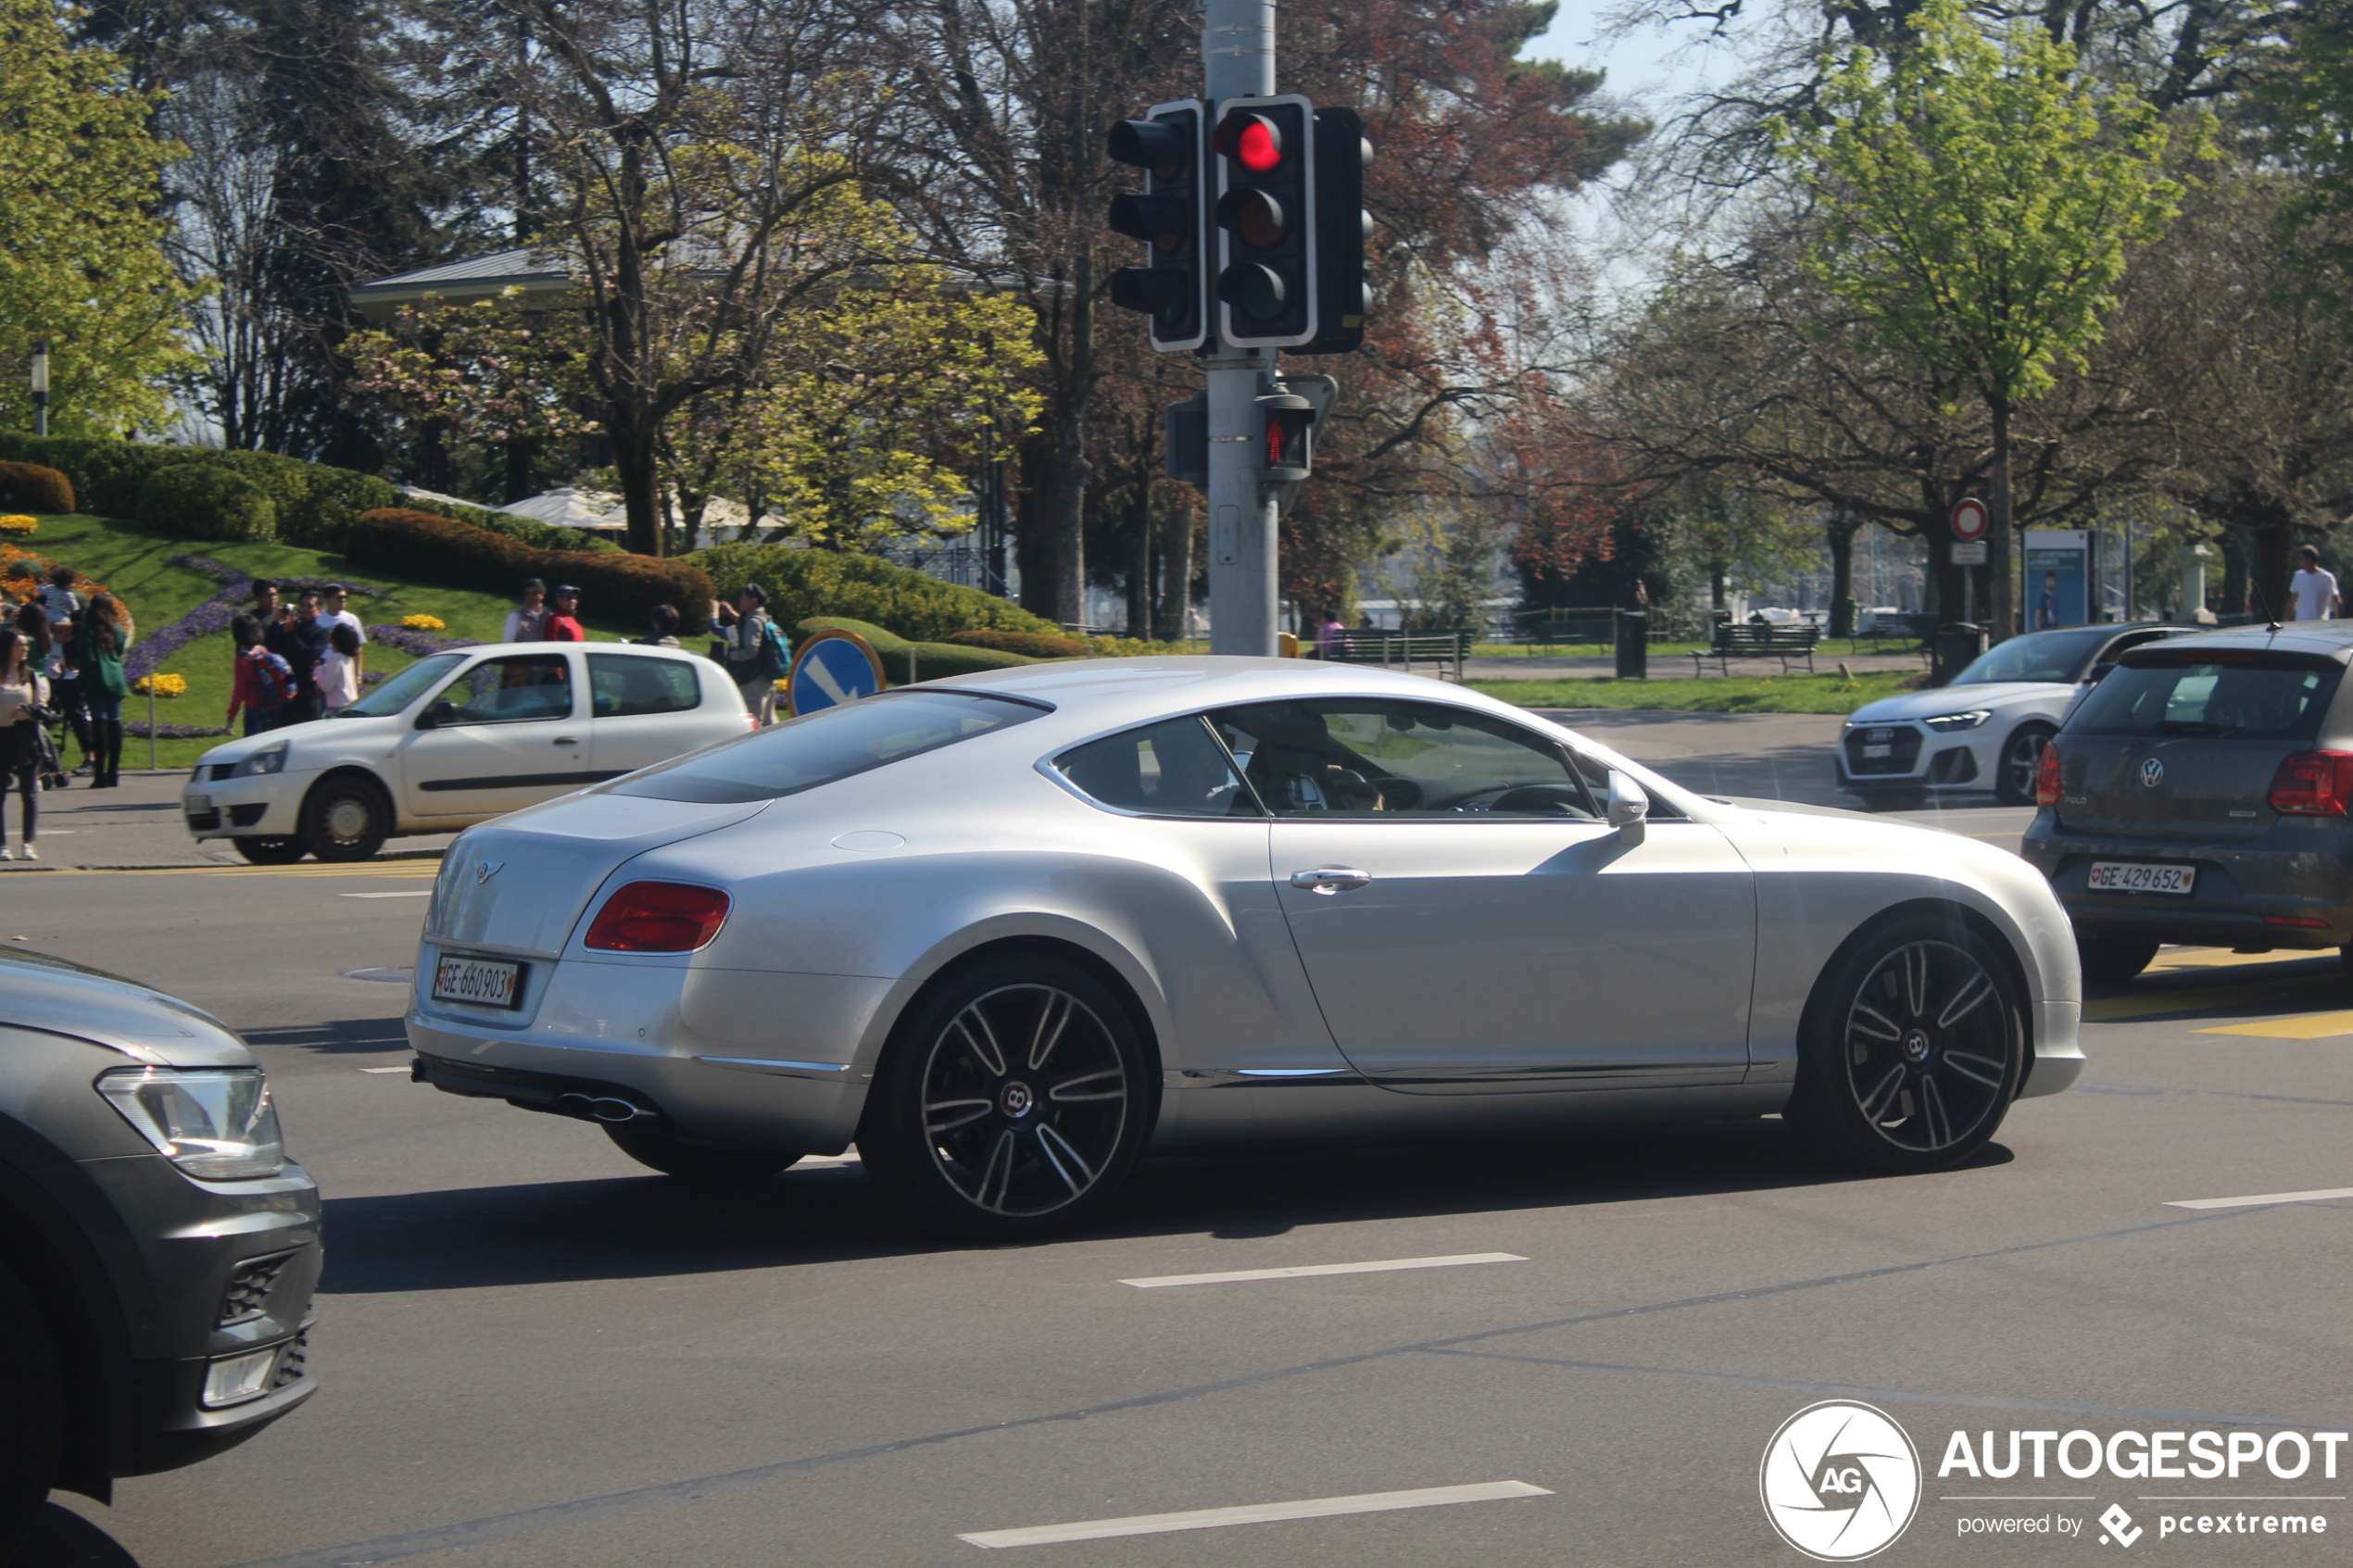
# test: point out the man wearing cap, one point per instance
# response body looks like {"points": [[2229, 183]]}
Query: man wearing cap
{"points": [[563, 623]]}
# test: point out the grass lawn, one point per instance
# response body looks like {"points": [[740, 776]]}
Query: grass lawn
{"points": [[134, 563], [1769, 694]]}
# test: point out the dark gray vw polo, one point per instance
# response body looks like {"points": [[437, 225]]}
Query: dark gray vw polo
{"points": [[158, 1248], [2199, 794]]}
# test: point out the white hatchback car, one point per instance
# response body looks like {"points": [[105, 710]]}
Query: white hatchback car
{"points": [[455, 739], [1987, 728]]}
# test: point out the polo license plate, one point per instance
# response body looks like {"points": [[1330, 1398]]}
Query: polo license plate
{"points": [[487, 983], [2140, 876]]}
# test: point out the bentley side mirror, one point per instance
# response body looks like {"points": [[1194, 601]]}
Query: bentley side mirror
{"points": [[440, 714], [1630, 806]]}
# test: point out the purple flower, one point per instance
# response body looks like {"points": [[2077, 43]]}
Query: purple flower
{"points": [[410, 641], [140, 731], [216, 614]]}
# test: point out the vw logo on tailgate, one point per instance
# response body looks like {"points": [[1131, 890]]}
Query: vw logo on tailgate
{"points": [[2152, 772]]}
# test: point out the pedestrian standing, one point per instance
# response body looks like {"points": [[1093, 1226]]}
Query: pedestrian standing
{"points": [[302, 643], [564, 616], [98, 653], [2313, 591], [263, 681], [664, 621], [47, 659], [338, 674], [527, 623], [63, 607], [331, 614], [23, 695], [756, 655]]}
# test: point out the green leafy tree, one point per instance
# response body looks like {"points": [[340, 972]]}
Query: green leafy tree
{"points": [[84, 266], [1982, 199]]}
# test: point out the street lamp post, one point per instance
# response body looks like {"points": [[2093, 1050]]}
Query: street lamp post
{"points": [[41, 387]]}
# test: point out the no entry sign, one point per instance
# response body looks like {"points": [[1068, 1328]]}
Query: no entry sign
{"points": [[1969, 518]]}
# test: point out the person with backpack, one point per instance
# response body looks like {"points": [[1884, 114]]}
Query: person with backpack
{"points": [[757, 655], [99, 644], [264, 680]]}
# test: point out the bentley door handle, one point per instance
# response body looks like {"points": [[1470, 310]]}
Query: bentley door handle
{"points": [[1330, 879], [565, 740]]}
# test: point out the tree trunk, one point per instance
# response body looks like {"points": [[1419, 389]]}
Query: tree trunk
{"points": [[1139, 570], [1715, 586], [2001, 611], [518, 487], [1839, 535], [2273, 544], [2238, 555], [1177, 575], [633, 460]]}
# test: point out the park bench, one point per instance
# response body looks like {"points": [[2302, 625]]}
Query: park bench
{"points": [[1401, 651], [1733, 640]]}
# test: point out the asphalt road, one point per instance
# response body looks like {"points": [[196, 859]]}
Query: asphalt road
{"points": [[533, 1352]]}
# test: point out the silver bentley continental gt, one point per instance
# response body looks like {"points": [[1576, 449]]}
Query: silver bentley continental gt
{"points": [[1009, 930]]}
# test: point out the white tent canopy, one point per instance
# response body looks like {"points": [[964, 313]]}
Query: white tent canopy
{"points": [[568, 508]]}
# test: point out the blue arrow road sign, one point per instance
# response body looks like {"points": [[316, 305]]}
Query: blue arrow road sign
{"points": [[832, 667]]}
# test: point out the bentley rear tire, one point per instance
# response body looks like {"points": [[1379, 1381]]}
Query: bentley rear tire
{"points": [[1011, 1104], [1913, 1046]]}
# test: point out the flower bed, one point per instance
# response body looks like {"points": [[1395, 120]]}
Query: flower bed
{"points": [[19, 524], [162, 686], [417, 642], [137, 729]]}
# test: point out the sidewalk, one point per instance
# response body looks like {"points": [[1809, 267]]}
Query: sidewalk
{"points": [[1663, 665], [136, 825]]}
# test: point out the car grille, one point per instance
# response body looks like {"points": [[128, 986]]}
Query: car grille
{"points": [[247, 1297], [203, 821], [223, 770], [1902, 743]]}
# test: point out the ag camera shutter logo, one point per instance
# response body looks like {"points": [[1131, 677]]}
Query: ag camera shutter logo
{"points": [[1840, 1481]]}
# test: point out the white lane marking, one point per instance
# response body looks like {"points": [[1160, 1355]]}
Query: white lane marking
{"points": [[415, 892], [1154, 1282], [383, 1070], [1255, 1513], [2318, 1194]]}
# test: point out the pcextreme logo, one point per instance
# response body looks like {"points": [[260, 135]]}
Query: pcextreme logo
{"points": [[1840, 1481]]}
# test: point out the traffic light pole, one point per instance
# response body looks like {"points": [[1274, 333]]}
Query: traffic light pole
{"points": [[1238, 61]]}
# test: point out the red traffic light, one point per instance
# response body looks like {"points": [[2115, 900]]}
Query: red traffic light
{"points": [[1251, 140]]}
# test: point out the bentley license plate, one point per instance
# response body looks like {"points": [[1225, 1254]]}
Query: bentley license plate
{"points": [[488, 983], [2137, 876]]}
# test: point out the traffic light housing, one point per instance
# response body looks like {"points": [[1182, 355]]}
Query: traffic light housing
{"points": [[1342, 226], [1170, 217], [1184, 434], [1265, 229]]}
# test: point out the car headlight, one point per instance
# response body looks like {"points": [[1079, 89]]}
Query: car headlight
{"points": [[1967, 721], [214, 1122], [271, 761]]}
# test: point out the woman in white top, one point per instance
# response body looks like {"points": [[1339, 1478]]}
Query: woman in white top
{"points": [[22, 694], [337, 675]]}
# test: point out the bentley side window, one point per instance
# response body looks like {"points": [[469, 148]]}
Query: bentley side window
{"points": [[1378, 757], [1172, 768]]}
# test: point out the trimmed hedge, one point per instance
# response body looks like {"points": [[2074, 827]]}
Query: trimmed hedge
{"points": [[932, 660], [200, 501], [314, 504], [32, 487], [1037, 644], [614, 585], [802, 584]]}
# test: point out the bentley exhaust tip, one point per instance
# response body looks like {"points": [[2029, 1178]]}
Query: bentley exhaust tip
{"points": [[609, 1110]]}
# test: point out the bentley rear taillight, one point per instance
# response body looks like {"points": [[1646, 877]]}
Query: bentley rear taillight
{"points": [[659, 917]]}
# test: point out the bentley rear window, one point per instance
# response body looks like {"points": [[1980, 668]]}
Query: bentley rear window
{"points": [[2227, 694], [827, 745]]}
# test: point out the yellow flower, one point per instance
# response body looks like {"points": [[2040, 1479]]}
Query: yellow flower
{"points": [[17, 524], [163, 685], [424, 623]]}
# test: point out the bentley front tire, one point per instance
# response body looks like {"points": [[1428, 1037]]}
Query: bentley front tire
{"points": [[1011, 1103], [1912, 1049]]}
